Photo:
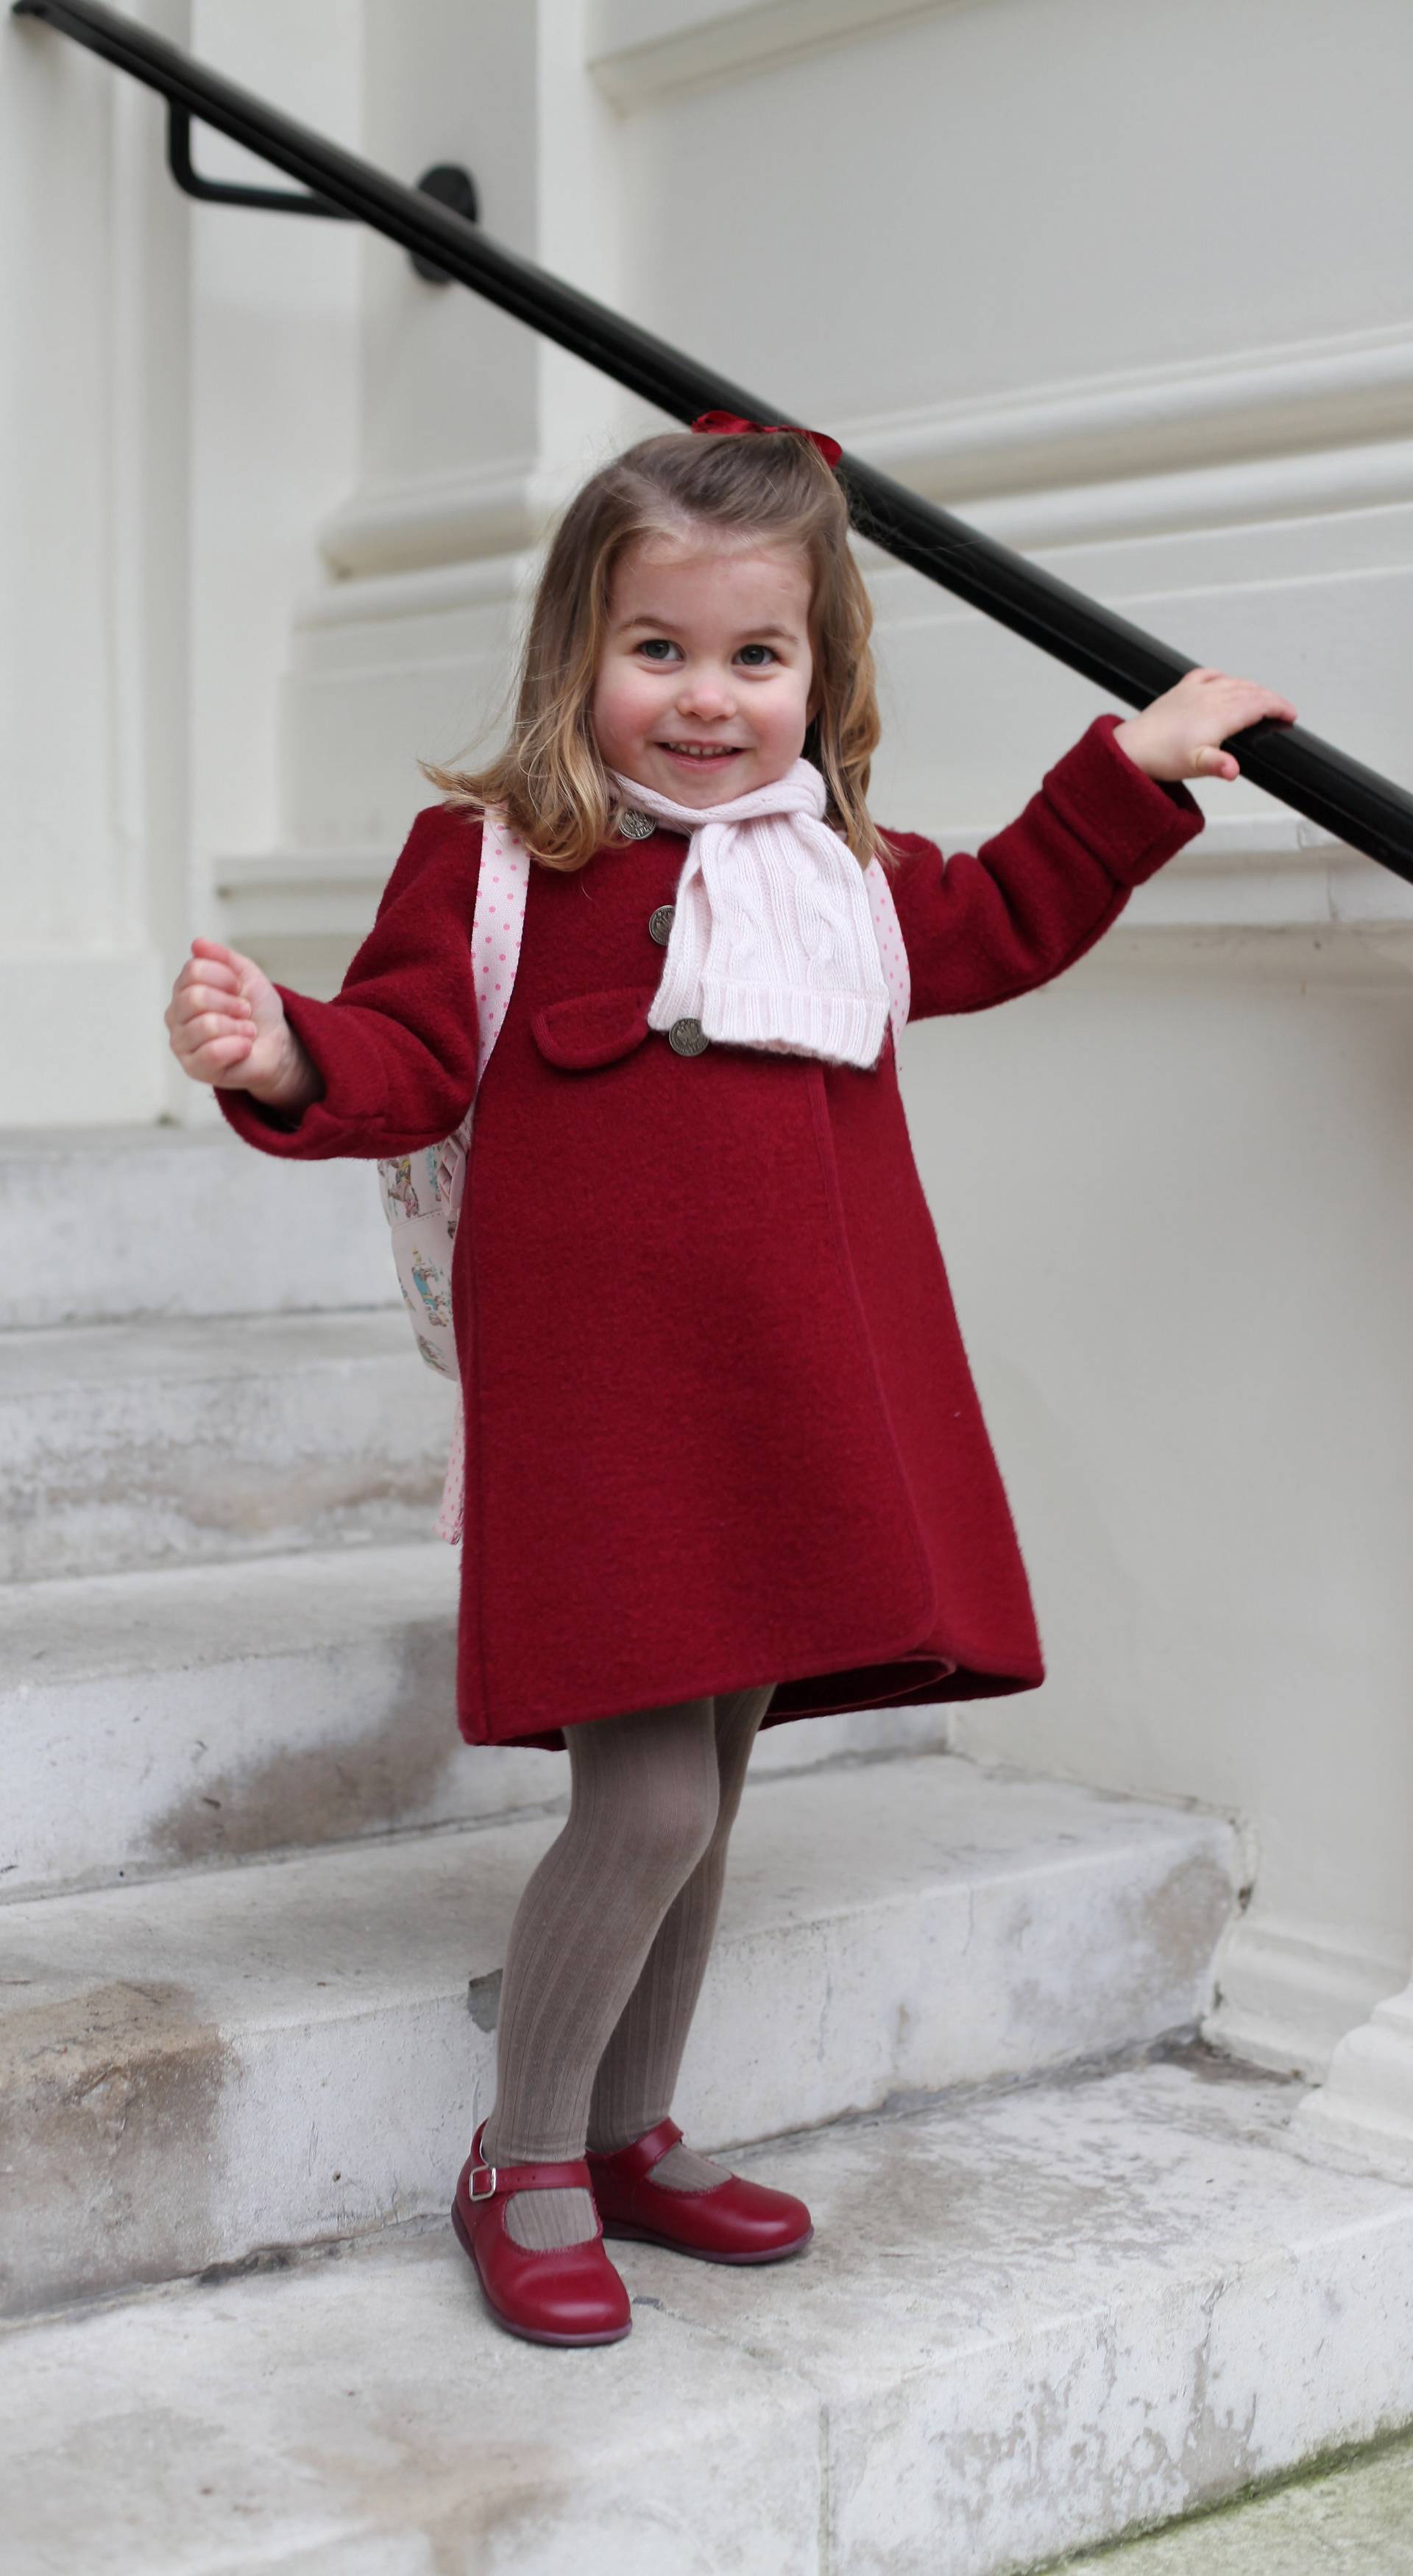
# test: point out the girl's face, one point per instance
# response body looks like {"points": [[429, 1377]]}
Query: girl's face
{"points": [[704, 684]]}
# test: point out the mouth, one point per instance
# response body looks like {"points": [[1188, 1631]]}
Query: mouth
{"points": [[702, 753]]}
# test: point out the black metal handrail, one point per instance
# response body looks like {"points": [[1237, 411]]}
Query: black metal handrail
{"points": [[1363, 809]]}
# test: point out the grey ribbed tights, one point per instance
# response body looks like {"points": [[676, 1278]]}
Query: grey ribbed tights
{"points": [[609, 1947]]}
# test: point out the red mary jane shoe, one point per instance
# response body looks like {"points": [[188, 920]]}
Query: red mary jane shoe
{"points": [[572, 2295], [726, 2222]]}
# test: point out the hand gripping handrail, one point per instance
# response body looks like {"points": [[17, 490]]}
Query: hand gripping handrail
{"points": [[1354, 803]]}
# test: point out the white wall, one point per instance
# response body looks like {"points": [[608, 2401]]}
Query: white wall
{"points": [[1127, 287], [180, 406], [1178, 1213], [472, 430], [275, 407], [93, 712]]}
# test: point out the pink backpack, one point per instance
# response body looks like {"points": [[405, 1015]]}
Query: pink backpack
{"points": [[422, 1192]]}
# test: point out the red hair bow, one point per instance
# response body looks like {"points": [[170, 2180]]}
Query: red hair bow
{"points": [[726, 423]]}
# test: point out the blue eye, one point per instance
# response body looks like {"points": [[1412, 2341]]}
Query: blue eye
{"points": [[760, 648], [651, 640]]}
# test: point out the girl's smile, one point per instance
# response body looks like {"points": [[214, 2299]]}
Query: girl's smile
{"points": [[704, 683]]}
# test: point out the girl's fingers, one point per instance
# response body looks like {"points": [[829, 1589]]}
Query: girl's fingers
{"points": [[210, 1024], [213, 1024], [1228, 705], [188, 1004], [1254, 691], [221, 1055], [209, 1015], [206, 997], [208, 970], [212, 957], [1249, 693], [1256, 700]]}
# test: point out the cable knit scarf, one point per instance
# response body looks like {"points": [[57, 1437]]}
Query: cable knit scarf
{"points": [[773, 941]]}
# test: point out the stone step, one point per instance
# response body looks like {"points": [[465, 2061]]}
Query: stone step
{"points": [[296, 2050], [97, 1225], [1026, 2324], [211, 1713], [199, 1438]]}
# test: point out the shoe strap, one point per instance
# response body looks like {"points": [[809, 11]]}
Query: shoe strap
{"points": [[637, 2159], [534, 2177]]}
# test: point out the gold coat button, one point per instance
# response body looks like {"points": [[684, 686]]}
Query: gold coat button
{"points": [[687, 1037]]}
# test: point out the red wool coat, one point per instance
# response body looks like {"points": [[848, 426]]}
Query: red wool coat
{"points": [[720, 1428]]}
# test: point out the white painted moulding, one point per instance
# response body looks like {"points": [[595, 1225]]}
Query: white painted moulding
{"points": [[1024, 2326], [1246, 493], [1289, 1990], [1256, 872], [302, 894], [423, 520], [1259, 413], [297, 2050], [1300, 429], [483, 581], [641, 51], [1364, 2113], [1068, 501]]}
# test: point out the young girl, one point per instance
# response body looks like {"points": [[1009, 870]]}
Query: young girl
{"points": [[725, 1465]]}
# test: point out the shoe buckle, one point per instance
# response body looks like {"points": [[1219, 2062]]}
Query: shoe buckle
{"points": [[472, 2193]]}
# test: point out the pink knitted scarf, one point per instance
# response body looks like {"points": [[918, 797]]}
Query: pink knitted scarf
{"points": [[773, 941]]}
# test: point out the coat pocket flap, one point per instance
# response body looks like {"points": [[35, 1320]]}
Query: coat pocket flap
{"points": [[593, 1028]]}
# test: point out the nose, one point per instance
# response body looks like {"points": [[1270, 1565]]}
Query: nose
{"points": [[705, 693]]}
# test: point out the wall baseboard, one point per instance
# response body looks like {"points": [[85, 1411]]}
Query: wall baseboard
{"points": [[1364, 2114], [1288, 1991]]}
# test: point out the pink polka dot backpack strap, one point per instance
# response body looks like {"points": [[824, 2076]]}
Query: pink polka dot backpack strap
{"points": [[496, 932], [891, 950], [422, 1192]]}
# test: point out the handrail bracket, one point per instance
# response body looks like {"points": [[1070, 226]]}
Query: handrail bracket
{"points": [[447, 181]]}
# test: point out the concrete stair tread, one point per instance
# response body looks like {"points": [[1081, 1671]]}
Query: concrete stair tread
{"points": [[167, 1220], [186, 1618], [291, 2050], [64, 1358], [157, 1719], [1027, 2323], [181, 1438], [416, 1913]]}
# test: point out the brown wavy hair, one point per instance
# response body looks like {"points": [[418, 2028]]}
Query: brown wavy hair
{"points": [[550, 777]]}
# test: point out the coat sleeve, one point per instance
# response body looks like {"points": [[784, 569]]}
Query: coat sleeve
{"points": [[396, 1047], [980, 929]]}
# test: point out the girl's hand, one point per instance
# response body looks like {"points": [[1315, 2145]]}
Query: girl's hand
{"points": [[228, 1027], [1180, 735]]}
